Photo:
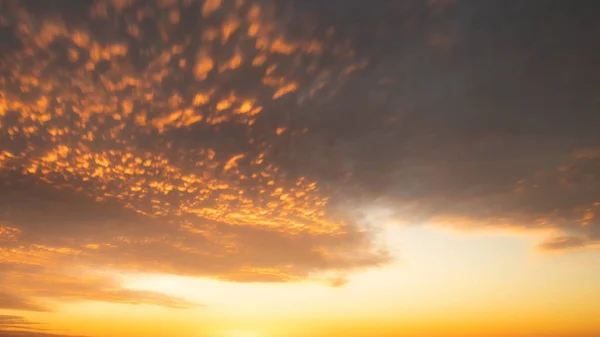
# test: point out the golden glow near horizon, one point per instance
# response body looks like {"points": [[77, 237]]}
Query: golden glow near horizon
{"points": [[507, 285], [145, 190]]}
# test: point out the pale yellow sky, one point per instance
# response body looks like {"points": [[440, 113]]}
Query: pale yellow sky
{"points": [[443, 283]]}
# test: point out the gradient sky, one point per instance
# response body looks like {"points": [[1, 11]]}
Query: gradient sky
{"points": [[324, 168]]}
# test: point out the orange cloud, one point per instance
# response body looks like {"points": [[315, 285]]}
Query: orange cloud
{"points": [[18, 326], [69, 285], [562, 242], [8, 300], [118, 153]]}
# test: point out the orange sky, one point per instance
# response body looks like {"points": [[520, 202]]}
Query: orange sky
{"points": [[252, 168]]}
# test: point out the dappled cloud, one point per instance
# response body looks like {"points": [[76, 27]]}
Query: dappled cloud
{"points": [[139, 138]]}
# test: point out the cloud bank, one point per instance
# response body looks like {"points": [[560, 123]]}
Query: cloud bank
{"points": [[243, 140]]}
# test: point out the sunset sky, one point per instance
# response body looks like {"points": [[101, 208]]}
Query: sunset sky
{"points": [[294, 168]]}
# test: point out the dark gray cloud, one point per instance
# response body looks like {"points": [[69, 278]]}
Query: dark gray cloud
{"points": [[490, 133]]}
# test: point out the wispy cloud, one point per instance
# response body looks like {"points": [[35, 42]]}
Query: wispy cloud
{"points": [[17, 326], [13, 333], [8, 300]]}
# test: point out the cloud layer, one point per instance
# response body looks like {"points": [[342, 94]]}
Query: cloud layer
{"points": [[245, 140], [145, 144]]}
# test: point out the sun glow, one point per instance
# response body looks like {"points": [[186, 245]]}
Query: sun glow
{"points": [[243, 333]]}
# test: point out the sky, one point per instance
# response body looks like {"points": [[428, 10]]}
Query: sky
{"points": [[288, 168]]}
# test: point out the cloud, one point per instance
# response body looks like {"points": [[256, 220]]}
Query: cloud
{"points": [[9, 333], [252, 149], [13, 321], [70, 284], [492, 135], [560, 243], [563, 242], [115, 160], [17, 326], [11, 301]]}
